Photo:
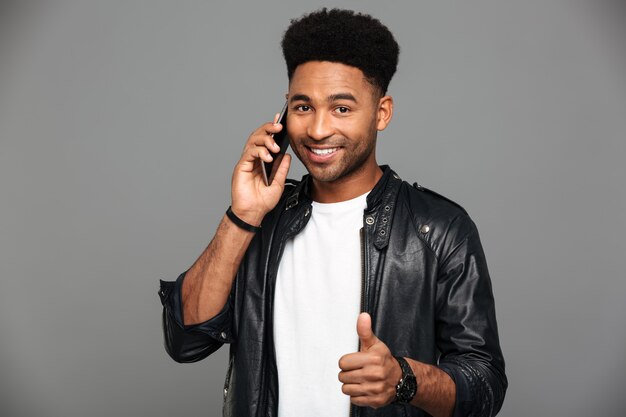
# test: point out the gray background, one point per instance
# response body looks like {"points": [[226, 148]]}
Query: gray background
{"points": [[120, 123]]}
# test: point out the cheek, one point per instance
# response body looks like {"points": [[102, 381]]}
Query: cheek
{"points": [[360, 130], [295, 126]]}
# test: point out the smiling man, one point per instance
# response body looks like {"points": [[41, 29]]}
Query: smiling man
{"points": [[333, 120], [350, 292]]}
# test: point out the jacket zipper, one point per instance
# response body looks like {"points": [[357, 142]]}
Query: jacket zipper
{"points": [[362, 306]]}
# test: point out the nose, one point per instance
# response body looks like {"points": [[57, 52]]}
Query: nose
{"points": [[320, 126]]}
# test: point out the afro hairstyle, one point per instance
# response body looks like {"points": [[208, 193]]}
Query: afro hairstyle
{"points": [[346, 37]]}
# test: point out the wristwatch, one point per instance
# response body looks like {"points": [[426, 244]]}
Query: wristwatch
{"points": [[407, 386]]}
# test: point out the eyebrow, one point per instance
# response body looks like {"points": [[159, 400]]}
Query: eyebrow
{"points": [[341, 96], [330, 99]]}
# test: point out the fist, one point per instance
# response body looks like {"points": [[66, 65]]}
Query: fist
{"points": [[370, 375]]}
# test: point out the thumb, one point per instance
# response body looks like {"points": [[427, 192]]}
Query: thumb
{"points": [[364, 330]]}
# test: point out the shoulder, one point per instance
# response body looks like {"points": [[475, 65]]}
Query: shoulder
{"points": [[428, 204], [290, 191], [441, 222]]}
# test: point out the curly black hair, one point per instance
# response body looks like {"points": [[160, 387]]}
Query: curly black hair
{"points": [[343, 36]]}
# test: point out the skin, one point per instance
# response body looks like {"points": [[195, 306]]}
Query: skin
{"points": [[331, 107]]}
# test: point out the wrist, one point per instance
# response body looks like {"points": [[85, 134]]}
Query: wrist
{"points": [[241, 223], [406, 387], [253, 217]]}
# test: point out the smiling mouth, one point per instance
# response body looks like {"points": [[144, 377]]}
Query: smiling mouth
{"points": [[325, 151]]}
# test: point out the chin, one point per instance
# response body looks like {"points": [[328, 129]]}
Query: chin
{"points": [[322, 174], [331, 174], [324, 177]]}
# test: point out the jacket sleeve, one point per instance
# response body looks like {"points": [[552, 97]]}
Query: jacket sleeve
{"points": [[467, 334], [191, 343]]}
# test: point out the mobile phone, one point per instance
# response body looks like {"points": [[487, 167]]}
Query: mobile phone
{"points": [[281, 139]]}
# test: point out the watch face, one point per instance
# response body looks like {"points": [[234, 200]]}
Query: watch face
{"points": [[407, 387], [410, 386], [407, 391]]}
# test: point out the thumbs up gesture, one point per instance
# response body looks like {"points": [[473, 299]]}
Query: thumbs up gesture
{"points": [[370, 375]]}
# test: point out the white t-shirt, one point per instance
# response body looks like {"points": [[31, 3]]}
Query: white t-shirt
{"points": [[316, 305]]}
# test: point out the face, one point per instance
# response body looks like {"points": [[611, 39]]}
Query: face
{"points": [[334, 116]]}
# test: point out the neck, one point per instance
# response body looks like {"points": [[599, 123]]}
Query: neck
{"points": [[347, 188]]}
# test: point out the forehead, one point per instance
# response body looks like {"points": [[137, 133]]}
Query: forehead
{"points": [[323, 78]]}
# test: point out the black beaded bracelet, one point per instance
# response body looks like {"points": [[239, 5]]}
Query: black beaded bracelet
{"points": [[245, 226]]}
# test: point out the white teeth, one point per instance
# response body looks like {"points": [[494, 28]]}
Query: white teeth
{"points": [[323, 151]]}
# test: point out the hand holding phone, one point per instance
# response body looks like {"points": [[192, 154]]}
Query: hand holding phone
{"points": [[252, 198], [281, 139]]}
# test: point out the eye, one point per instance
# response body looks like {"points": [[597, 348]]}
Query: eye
{"points": [[342, 110], [303, 108]]}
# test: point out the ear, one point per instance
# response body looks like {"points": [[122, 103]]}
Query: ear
{"points": [[385, 112]]}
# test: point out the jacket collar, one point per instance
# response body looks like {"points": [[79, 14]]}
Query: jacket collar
{"points": [[381, 202], [382, 191], [383, 187]]}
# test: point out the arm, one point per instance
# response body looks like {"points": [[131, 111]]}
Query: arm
{"points": [[208, 282], [196, 309], [467, 332], [436, 391], [469, 379]]}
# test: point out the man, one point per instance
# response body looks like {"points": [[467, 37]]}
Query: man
{"points": [[293, 264]]}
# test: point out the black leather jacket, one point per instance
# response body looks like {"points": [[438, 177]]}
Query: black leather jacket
{"points": [[425, 284]]}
